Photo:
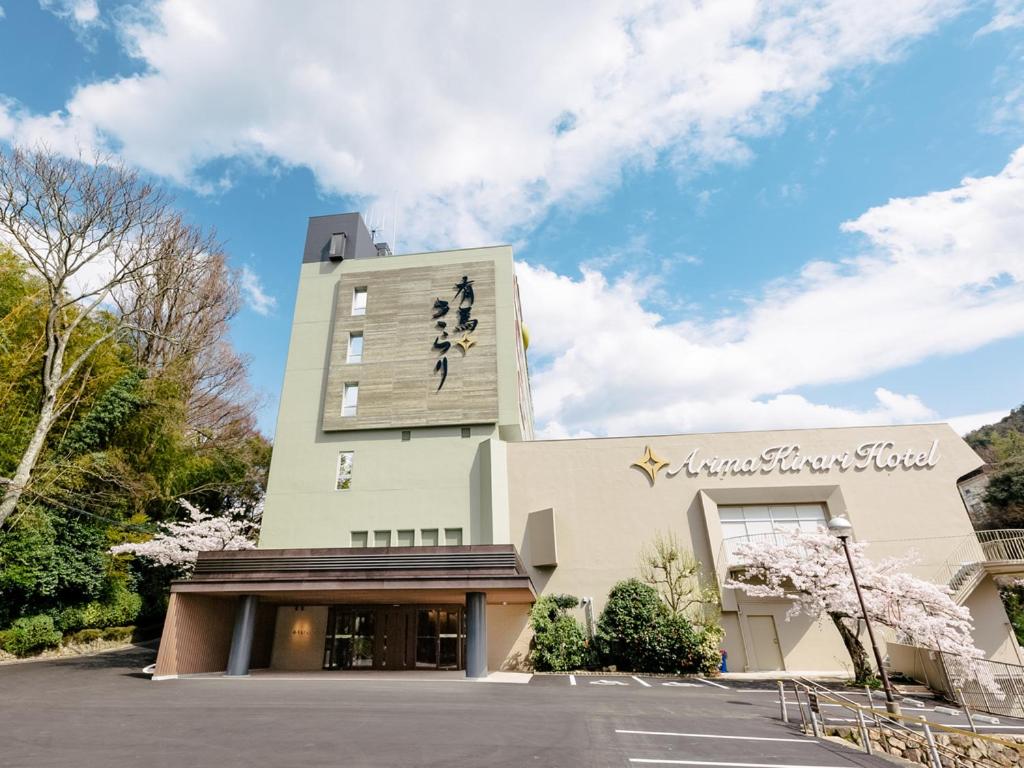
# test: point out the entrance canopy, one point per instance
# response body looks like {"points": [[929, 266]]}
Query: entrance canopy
{"points": [[364, 575]]}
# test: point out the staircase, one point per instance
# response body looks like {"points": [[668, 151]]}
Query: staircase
{"points": [[999, 552]]}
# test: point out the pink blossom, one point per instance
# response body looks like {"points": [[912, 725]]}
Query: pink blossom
{"points": [[178, 544]]}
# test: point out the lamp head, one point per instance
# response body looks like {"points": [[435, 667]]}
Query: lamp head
{"points": [[840, 527]]}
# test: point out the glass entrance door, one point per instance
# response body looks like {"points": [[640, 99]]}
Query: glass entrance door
{"points": [[395, 637], [350, 638], [439, 638]]}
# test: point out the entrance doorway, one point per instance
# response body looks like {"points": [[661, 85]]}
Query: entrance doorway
{"points": [[395, 637], [765, 640]]}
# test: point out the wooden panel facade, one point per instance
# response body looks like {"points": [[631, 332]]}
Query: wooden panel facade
{"points": [[398, 385], [196, 636]]}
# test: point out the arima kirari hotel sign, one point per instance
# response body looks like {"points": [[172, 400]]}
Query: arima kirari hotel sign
{"points": [[874, 454]]}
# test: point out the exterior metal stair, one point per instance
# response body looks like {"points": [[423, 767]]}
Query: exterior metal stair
{"points": [[997, 553]]}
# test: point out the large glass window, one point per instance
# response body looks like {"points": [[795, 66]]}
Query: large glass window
{"points": [[767, 521]]}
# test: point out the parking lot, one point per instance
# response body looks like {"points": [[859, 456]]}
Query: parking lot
{"points": [[103, 711]]}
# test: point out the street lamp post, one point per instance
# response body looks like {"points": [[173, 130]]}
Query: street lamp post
{"points": [[841, 528]]}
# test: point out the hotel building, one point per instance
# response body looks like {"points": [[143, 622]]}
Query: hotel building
{"points": [[411, 518]]}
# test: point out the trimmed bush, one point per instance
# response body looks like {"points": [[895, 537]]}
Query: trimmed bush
{"points": [[637, 633], [83, 636], [30, 634], [120, 634], [625, 625], [559, 643], [120, 608]]}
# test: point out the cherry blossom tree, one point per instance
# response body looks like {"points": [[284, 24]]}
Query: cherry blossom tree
{"points": [[178, 544], [811, 570]]}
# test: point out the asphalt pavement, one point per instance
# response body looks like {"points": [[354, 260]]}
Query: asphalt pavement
{"points": [[104, 712]]}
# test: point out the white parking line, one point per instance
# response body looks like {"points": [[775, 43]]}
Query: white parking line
{"points": [[572, 679], [717, 736], [644, 683], [730, 765], [708, 682]]}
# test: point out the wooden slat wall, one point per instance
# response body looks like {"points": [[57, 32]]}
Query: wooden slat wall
{"points": [[197, 635], [397, 383]]}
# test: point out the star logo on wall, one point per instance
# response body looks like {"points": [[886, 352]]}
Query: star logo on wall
{"points": [[465, 342], [650, 464]]}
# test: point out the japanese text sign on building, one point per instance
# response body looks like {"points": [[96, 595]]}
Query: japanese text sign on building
{"points": [[461, 323]]}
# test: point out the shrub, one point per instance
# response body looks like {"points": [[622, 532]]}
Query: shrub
{"points": [[559, 643], [119, 609], [120, 634], [30, 634], [625, 625], [84, 636], [637, 633]]}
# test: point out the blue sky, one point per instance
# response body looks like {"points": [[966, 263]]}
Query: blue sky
{"points": [[733, 217]]}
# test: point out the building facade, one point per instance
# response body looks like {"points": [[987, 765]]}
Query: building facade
{"points": [[411, 519]]}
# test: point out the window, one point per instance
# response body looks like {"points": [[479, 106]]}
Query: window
{"points": [[359, 301], [350, 399], [767, 521], [428, 537], [466, 431], [382, 538], [344, 479], [355, 348], [453, 537], [360, 538], [406, 538], [337, 249], [406, 435]]}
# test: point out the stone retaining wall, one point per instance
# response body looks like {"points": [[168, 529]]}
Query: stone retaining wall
{"points": [[984, 751]]}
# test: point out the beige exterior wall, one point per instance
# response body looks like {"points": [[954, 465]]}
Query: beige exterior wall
{"points": [[606, 511], [299, 634], [993, 632]]}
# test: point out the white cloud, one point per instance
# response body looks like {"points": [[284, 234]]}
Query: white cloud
{"points": [[257, 299], [1009, 14], [971, 421], [3, 13], [78, 12], [939, 274], [474, 117]]}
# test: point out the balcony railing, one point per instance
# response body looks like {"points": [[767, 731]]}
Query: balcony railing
{"points": [[962, 570]]}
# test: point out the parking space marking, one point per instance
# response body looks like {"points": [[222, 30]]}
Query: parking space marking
{"points": [[727, 765], [677, 684], [644, 683], [717, 736], [708, 682], [572, 679], [607, 682]]}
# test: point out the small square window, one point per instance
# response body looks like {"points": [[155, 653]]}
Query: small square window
{"points": [[355, 348], [359, 301], [344, 477], [453, 537], [466, 432], [382, 538], [406, 435], [360, 538], [350, 399], [428, 537], [406, 538]]}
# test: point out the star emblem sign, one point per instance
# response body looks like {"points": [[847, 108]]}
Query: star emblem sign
{"points": [[650, 464], [466, 342]]}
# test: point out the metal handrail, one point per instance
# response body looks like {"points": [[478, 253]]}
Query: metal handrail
{"points": [[976, 549], [939, 754]]}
